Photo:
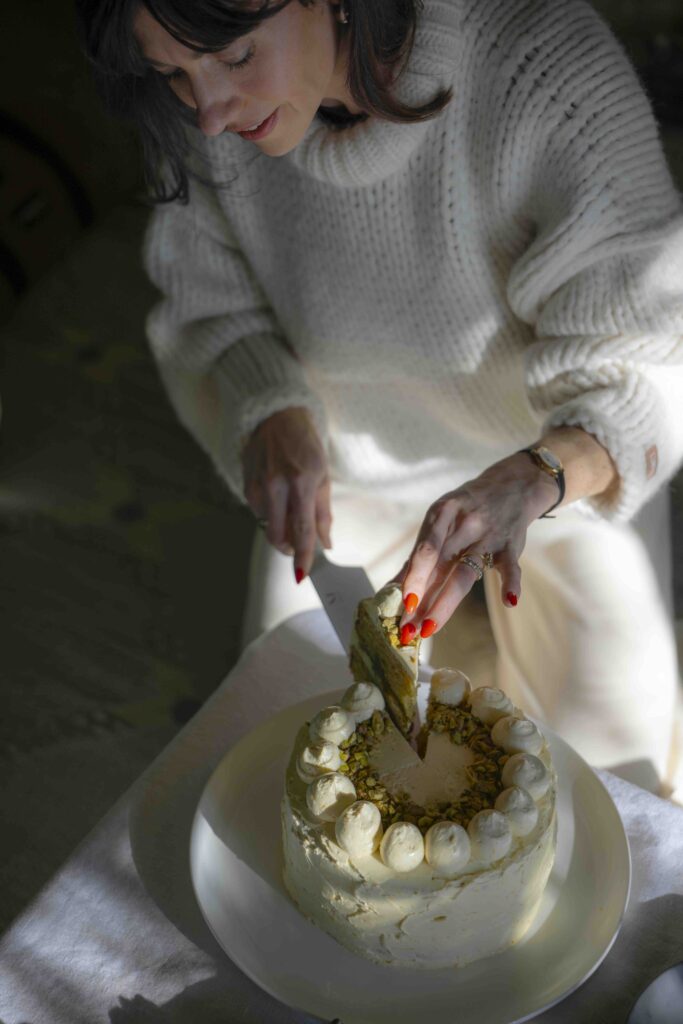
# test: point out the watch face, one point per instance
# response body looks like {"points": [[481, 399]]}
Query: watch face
{"points": [[550, 460]]}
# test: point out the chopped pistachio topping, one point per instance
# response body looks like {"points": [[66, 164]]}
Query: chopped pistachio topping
{"points": [[390, 626], [484, 774]]}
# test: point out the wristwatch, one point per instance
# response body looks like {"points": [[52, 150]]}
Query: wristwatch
{"points": [[550, 464]]}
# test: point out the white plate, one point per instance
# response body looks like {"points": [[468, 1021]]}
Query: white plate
{"points": [[236, 864]]}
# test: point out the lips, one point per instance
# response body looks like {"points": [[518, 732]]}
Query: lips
{"points": [[262, 129], [250, 127]]}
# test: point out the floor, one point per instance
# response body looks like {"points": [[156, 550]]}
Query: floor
{"points": [[123, 558]]}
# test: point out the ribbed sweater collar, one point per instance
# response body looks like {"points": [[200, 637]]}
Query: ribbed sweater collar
{"points": [[374, 149]]}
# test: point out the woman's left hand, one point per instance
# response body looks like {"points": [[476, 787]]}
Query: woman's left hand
{"points": [[487, 515]]}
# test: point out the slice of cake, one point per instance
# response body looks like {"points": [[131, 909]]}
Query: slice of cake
{"points": [[420, 863], [377, 655]]}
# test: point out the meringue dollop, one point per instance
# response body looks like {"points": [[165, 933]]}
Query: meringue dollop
{"points": [[517, 736], [361, 700], [490, 835], [447, 848], [316, 759], [449, 686], [359, 828], [520, 809], [527, 772], [402, 847], [489, 704], [333, 723], [329, 794]]}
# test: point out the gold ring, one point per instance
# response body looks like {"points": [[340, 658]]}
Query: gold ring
{"points": [[474, 566]]}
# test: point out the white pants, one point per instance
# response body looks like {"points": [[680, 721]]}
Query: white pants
{"points": [[589, 649]]}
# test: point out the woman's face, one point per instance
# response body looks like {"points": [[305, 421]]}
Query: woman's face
{"points": [[280, 73]]}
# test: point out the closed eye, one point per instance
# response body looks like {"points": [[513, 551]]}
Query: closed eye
{"points": [[241, 63], [230, 65]]}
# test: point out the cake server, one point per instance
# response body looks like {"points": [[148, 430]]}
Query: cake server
{"points": [[340, 588]]}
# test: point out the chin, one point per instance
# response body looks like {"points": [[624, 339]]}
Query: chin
{"points": [[290, 135], [274, 148]]}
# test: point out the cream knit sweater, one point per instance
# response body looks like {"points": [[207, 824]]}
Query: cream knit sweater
{"points": [[439, 294]]}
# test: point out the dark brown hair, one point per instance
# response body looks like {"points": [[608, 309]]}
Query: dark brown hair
{"points": [[381, 36]]}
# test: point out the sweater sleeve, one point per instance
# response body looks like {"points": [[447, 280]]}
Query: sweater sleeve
{"points": [[224, 361], [602, 279]]}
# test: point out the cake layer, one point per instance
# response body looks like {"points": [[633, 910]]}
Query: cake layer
{"points": [[377, 656]]}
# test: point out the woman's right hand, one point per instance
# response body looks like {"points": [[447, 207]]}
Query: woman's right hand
{"points": [[286, 483]]}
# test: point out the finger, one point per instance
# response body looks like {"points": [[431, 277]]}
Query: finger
{"points": [[441, 577], [468, 533], [323, 514], [465, 534], [277, 493], [301, 526], [256, 499], [399, 577], [510, 577], [425, 554], [416, 611], [456, 587]]}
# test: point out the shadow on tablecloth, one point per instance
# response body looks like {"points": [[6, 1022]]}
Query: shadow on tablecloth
{"points": [[165, 800]]}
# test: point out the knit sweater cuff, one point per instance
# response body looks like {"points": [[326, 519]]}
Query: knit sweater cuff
{"points": [[626, 425], [256, 378]]}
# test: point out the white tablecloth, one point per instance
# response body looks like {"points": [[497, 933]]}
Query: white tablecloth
{"points": [[116, 937]]}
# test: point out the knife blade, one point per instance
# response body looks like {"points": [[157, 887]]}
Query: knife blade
{"points": [[340, 588]]}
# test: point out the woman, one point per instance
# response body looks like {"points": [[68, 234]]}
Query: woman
{"points": [[421, 271]]}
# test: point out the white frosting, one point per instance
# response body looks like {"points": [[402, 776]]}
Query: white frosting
{"points": [[402, 846], [490, 835], [334, 724], [427, 917], [449, 686], [528, 772], [490, 704], [389, 601], [361, 699], [329, 794], [316, 759], [447, 848], [520, 809], [517, 736], [359, 828]]}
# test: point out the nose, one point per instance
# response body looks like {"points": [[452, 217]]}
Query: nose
{"points": [[215, 106]]}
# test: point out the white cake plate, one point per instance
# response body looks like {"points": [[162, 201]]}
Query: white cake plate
{"points": [[236, 864]]}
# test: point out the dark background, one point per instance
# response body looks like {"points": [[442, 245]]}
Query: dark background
{"points": [[122, 559]]}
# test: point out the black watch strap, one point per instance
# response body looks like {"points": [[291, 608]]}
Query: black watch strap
{"points": [[557, 477]]}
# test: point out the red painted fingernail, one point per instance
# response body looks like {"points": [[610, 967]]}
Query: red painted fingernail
{"points": [[511, 598], [408, 633], [411, 602], [428, 627], [298, 574]]}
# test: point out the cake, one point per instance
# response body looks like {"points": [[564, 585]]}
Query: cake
{"points": [[410, 861], [378, 656]]}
